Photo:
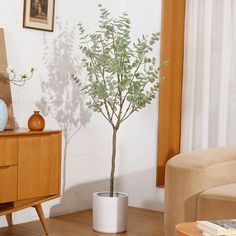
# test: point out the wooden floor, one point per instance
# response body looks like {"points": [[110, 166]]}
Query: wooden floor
{"points": [[140, 223]]}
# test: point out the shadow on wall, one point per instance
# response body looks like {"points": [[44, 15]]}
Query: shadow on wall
{"points": [[142, 190], [62, 98], [140, 187], [78, 198]]}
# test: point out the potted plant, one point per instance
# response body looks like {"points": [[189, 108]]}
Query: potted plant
{"points": [[122, 79], [19, 81]]}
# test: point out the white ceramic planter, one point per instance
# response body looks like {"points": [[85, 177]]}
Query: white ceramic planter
{"points": [[110, 213]]}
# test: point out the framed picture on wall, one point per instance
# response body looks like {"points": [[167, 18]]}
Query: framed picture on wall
{"points": [[39, 14]]}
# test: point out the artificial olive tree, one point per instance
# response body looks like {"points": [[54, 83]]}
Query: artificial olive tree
{"points": [[122, 76]]}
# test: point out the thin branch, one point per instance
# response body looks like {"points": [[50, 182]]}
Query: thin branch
{"points": [[135, 72], [126, 110], [107, 109], [96, 76], [104, 81], [107, 118], [113, 107], [23, 78], [132, 111]]}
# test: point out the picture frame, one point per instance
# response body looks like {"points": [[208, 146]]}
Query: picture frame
{"points": [[39, 14]]}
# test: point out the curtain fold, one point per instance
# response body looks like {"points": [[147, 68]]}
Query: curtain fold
{"points": [[209, 84]]}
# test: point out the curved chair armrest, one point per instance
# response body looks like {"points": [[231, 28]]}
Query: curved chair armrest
{"points": [[187, 175]]}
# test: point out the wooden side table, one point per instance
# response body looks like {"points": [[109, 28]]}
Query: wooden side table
{"points": [[30, 170], [188, 229]]}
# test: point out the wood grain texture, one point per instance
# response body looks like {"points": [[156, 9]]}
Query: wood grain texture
{"points": [[8, 184], [38, 167], [39, 210], [30, 170], [170, 96], [9, 219], [8, 208], [9, 151], [140, 223], [59, 153], [5, 90], [188, 229], [26, 132]]}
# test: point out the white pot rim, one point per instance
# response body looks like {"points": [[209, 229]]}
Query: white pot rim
{"points": [[120, 194]]}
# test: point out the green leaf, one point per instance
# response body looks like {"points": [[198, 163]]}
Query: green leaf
{"points": [[121, 73]]}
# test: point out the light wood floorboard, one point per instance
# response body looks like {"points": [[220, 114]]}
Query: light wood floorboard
{"points": [[140, 223]]}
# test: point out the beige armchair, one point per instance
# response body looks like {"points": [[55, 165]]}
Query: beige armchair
{"points": [[200, 185]]}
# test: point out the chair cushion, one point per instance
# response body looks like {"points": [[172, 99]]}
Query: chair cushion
{"points": [[217, 203]]}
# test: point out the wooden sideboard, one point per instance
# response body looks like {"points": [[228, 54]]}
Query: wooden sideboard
{"points": [[30, 170]]}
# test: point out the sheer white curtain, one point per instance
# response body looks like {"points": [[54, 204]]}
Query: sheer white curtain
{"points": [[209, 85]]}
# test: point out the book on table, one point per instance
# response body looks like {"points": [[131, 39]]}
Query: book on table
{"points": [[204, 233], [217, 227]]}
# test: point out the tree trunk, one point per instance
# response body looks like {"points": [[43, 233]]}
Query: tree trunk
{"points": [[113, 161]]}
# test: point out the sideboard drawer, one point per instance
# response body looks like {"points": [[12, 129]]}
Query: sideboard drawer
{"points": [[8, 184], [9, 151]]}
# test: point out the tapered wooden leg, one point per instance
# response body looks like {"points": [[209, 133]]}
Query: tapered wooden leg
{"points": [[39, 210], [9, 219]]}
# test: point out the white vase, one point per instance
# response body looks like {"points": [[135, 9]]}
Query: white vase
{"points": [[110, 213], [3, 115]]}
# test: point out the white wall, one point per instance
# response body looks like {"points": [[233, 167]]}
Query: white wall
{"points": [[88, 158]]}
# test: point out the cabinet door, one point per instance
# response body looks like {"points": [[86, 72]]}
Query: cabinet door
{"points": [[8, 184], [39, 166]]}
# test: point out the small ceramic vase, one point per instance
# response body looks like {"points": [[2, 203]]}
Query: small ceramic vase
{"points": [[36, 122], [3, 115]]}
